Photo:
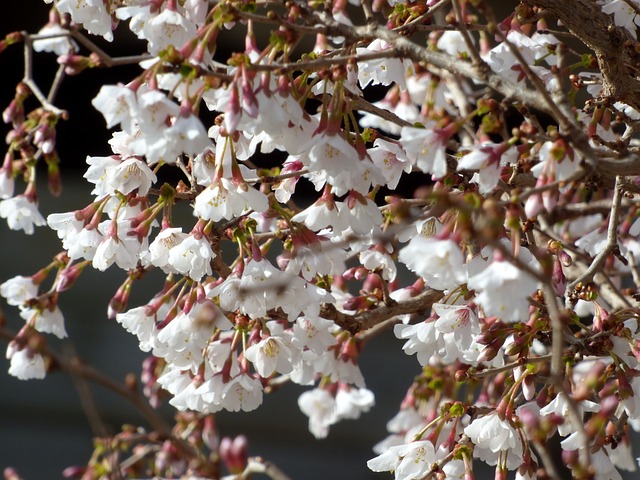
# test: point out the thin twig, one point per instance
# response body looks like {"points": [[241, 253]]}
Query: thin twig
{"points": [[471, 48], [259, 465], [612, 240], [557, 370], [510, 366]]}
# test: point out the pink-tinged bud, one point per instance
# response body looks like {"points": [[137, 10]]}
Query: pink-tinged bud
{"points": [[118, 303], [608, 405], [11, 474], [533, 206], [69, 275], [570, 457], [76, 471], [74, 64], [54, 180], [529, 418], [487, 354], [558, 278], [372, 283], [14, 113], [565, 258], [249, 101], [234, 453], [360, 273], [501, 473], [356, 303], [349, 273], [45, 138], [233, 110], [350, 350], [636, 349], [210, 435], [549, 199], [528, 387]]}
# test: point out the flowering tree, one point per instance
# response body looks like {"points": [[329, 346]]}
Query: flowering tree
{"points": [[500, 168]]}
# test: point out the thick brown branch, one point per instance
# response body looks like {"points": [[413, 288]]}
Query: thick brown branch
{"points": [[614, 46], [366, 320]]}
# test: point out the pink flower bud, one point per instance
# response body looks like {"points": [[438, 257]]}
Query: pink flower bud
{"points": [[233, 110], [69, 275], [534, 205], [234, 453], [118, 303], [74, 64]]}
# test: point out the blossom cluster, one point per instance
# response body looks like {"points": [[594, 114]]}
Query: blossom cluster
{"points": [[498, 170]]}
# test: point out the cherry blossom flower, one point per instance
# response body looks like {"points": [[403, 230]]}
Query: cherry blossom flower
{"points": [[192, 257], [313, 333], [401, 105], [440, 262], [375, 259], [332, 159], [502, 289], [352, 402], [59, 45], [495, 440], [185, 337], [360, 213], [316, 259], [391, 160], [459, 327], [225, 199], [22, 214], [320, 406], [131, 174], [487, 159], [274, 353], [452, 42], [426, 149], [92, 14], [560, 406], [323, 213], [116, 248], [18, 290], [411, 461], [503, 61], [25, 364], [242, 393], [422, 338], [45, 320], [624, 15], [158, 252], [84, 244], [118, 104], [139, 321], [382, 71], [167, 28]]}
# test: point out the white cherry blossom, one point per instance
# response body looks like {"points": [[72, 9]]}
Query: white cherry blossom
{"points": [[440, 262], [21, 214], [192, 257], [495, 439], [25, 364], [18, 290]]}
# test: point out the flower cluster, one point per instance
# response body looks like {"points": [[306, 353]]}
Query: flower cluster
{"points": [[483, 211]]}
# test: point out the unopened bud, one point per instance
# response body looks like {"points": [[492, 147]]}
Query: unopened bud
{"points": [[234, 453]]}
